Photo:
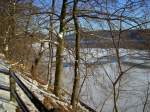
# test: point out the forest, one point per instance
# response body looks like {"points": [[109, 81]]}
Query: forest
{"points": [[75, 55]]}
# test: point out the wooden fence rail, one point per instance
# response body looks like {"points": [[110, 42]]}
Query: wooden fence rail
{"points": [[14, 95]]}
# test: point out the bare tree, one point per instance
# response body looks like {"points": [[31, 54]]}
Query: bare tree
{"points": [[60, 50], [51, 54], [76, 85]]}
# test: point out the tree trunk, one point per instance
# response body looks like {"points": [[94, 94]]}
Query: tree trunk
{"points": [[75, 92], [49, 78], [60, 49]]}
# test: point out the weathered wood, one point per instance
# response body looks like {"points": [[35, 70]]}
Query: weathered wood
{"points": [[21, 104], [4, 71], [12, 88], [4, 88]]}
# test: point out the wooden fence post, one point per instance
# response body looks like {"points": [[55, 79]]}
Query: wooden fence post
{"points": [[12, 86]]}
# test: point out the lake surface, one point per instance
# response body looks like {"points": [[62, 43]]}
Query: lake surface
{"points": [[99, 66]]}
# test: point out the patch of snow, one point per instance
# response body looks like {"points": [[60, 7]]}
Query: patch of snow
{"points": [[60, 35]]}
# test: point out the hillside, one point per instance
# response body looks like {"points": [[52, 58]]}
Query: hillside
{"points": [[132, 39]]}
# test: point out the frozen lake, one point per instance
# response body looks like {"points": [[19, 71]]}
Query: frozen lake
{"points": [[100, 67]]}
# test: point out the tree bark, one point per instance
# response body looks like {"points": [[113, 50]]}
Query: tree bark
{"points": [[60, 50], [50, 46], [75, 91]]}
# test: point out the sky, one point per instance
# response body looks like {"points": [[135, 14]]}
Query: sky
{"points": [[139, 11]]}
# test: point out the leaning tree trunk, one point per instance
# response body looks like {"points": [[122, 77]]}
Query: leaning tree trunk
{"points": [[60, 49], [75, 92]]}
